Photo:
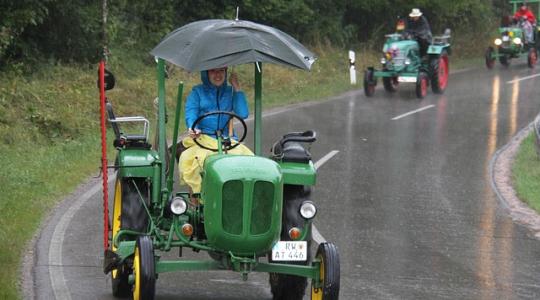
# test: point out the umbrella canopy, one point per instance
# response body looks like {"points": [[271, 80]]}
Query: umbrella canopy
{"points": [[210, 44]]}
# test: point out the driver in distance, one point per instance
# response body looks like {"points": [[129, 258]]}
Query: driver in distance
{"points": [[213, 94]]}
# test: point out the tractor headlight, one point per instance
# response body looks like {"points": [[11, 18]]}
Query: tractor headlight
{"points": [[498, 42], [407, 61], [178, 206], [383, 61], [517, 41], [308, 210]]}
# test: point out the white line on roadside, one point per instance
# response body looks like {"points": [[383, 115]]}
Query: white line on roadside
{"points": [[315, 234], [325, 158], [522, 78], [413, 112], [56, 271]]}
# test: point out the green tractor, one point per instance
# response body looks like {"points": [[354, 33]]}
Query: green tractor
{"points": [[402, 63], [257, 214], [512, 43]]}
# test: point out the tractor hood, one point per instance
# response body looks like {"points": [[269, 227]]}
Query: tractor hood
{"points": [[403, 46], [242, 203]]}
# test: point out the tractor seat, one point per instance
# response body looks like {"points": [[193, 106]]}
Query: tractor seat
{"points": [[294, 152]]}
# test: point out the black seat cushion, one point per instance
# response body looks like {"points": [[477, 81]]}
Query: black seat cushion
{"points": [[294, 152]]}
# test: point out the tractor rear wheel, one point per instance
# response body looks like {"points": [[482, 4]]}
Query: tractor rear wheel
{"points": [[422, 82], [329, 272], [532, 57], [504, 60], [128, 213], [490, 60], [144, 271], [369, 83], [439, 72], [290, 287], [390, 84]]}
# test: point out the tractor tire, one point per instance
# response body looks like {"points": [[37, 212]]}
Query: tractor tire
{"points": [[439, 72], [128, 213], [329, 273], [369, 83], [390, 84], [422, 83], [532, 57], [490, 60], [283, 286], [504, 60], [144, 270]]}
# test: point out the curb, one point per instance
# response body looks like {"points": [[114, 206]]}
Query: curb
{"points": [[500, 169]]}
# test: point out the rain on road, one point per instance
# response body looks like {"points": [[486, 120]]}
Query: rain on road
{"points": [[408, 201]]}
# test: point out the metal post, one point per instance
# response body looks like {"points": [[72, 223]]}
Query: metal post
{"points": [[258, 108], [162, 142], [175, 136]]}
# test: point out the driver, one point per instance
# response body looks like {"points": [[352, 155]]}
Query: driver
{"points": [[212, 95], [418, 26], [523, 13]]}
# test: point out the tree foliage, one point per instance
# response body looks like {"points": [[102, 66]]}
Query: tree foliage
{"points": [[70, 30]]}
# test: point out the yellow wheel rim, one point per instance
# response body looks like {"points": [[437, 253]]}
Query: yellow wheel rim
{"points": [[137, 275], [117, 213], [317, 294]]}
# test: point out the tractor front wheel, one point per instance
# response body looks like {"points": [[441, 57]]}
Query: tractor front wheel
{"points": [[390, 84], [369, 83], [329, 272], [144, 272], [422, 82], [490, 59], [504, 60], [532, 57], [439, 73]]}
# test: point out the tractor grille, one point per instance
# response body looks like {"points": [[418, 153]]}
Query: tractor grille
{"points": [[261, 210], [233, 208]]}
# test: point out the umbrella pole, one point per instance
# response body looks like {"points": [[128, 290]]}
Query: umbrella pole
{"points": [[258, 108]]}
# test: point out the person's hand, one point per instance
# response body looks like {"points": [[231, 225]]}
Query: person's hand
{"points": [[194, 133], [233, 79]]}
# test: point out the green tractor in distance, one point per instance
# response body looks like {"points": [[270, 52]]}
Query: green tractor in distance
{"points": [[402, 63], [257, 214], [511, 42]]}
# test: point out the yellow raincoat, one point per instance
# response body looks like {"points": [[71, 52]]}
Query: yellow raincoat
{"points": [[192, 159]]}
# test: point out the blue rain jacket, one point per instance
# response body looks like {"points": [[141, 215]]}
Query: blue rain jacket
{"points": [[206, 98]]}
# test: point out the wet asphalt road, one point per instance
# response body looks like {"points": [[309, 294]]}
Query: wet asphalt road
{"points": [[408, 202]]}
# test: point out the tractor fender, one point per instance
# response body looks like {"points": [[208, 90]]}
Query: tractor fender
{"points": [[438, 49]]}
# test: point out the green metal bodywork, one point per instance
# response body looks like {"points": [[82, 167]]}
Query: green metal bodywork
{"points": [[243, 201], [243, 197], [507, 34], [402, 57]]}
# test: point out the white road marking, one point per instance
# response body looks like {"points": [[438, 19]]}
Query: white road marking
{"points": [[56, 271], [522, 78], [413, 112], [325, 158], [315, 234]]}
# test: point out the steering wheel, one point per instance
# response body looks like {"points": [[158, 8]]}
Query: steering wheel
{"points": [[226, 145]]}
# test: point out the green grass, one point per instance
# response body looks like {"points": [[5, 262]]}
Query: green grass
{"points": [[526, 173], [49, 128]]}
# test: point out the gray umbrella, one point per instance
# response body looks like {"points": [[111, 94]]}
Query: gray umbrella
{"points": [[210, 44]]}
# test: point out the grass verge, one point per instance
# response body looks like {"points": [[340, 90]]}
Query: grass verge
{"points": [[526, 173]]}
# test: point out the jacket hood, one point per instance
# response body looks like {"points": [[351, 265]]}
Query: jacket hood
{"points": [[206, 81]]}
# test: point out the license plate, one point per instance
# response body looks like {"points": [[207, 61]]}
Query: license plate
{"points": [[505, 38], [290, 251], [406, 79]]}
